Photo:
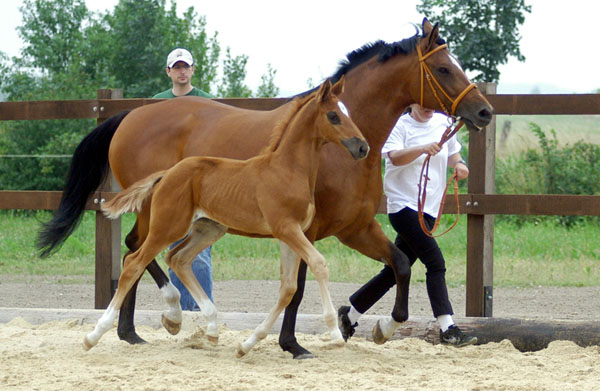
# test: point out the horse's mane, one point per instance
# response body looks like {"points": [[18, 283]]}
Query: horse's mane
{"points": [[280, 127], [383, 50]]}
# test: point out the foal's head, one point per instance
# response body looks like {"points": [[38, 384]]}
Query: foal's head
{"points": [[334, 123]]}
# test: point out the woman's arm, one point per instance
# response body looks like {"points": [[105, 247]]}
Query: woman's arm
{"points": [[402, 157]]}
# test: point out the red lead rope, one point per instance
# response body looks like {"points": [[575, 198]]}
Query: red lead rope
{"points": [[424, 177]]}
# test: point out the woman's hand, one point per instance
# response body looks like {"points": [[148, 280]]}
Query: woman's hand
{"points": [[432, 148]]}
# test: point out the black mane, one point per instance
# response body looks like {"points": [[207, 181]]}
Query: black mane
{"points": [[381, 49]]}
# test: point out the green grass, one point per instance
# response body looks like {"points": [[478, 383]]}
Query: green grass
{"points": [[543, 254]]}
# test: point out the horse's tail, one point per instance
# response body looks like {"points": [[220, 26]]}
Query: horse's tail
{"points": [[88, 169], [132, 198]]}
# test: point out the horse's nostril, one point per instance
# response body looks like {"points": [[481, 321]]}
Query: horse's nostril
{"points": [[485, 114]]}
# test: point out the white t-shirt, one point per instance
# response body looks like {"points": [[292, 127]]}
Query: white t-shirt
{"points": [[401, 183]]}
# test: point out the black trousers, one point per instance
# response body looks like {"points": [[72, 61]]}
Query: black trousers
{"points": [[413, 242]]}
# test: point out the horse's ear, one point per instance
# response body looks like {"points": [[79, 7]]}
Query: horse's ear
{"points": [[324, 91], [431, 33], [338, 88], [426, 27]]}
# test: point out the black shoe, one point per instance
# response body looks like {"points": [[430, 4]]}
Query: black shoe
{"points": [[346, 328], [453, 336]]}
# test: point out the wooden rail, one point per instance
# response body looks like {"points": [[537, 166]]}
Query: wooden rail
{"points": [[480, 204]]}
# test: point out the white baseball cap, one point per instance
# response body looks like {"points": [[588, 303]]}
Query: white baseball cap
{"points": [[179, 54]]}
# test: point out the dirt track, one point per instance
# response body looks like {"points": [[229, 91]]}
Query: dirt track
{"points": [[259, 296]]}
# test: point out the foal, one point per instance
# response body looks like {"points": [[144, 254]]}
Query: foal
{"points": [[271, 194]]}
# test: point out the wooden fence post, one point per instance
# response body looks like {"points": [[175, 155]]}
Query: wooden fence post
{"points": [[480, 228], [108, 232]]}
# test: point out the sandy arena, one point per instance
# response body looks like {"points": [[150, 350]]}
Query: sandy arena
{"points": [[49, 356]]}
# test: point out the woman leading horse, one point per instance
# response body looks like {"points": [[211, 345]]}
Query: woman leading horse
{"points": [[381, 79]]}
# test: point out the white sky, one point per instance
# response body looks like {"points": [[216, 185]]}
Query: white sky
{"points": [[306, 40]]}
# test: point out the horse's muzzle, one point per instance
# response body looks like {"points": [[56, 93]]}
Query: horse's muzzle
{"points": [[357, 147]]}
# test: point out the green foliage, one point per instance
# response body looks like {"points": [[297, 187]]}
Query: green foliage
{"points": [[53, 32], [551, 169], [483, 34], [234, 69], [267, 87]]}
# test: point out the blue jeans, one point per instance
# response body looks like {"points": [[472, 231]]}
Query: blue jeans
{"points": [[202, 269]]}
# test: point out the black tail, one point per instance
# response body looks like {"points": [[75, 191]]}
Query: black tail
{"points": [[88, 170]]}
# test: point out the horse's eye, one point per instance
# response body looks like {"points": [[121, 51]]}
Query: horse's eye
{"points": [[334, 118], [444, 70]]}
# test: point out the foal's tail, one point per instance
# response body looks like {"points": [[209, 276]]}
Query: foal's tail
{"points": [[132, 198], [89, 167]]}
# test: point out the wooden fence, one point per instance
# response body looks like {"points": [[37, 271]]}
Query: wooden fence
{"points": [[480, 204]]}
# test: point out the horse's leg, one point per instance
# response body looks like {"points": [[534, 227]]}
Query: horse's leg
{"points": [[305, 249], [204, 233], [289, 268], [373, 243], [126, 328], [287, 339], [132, 270]]}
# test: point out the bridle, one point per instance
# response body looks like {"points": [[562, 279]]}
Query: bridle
{"points": [[426, 74]]}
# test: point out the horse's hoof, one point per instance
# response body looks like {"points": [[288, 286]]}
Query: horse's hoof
{"points": [[304, 356], [172, 327], [212, 339], [132, 338], [240, 351], [338, 343], [378, 336], [87, 345], [337, 339], [297, 351]]}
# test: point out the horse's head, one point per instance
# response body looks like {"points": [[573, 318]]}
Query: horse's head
{"points": [[334, 123], [443, 85]]}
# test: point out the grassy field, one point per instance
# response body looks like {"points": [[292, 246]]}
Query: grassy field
{"points": [[569, 129], [542, 254]]}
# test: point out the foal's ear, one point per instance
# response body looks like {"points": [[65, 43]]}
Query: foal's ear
{"points": [[338, 88], [324, 92]]}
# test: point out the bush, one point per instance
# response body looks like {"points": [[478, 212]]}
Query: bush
{"points": [[551, 169]]}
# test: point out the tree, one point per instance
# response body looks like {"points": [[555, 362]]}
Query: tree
{"points": [[267, 87], [52, 32], [234, 73], [482, 34]]}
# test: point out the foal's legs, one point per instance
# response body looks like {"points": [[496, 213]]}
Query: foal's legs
{"points": [[126, 328], [289, 270], [204, 233], [132, 271], [313, 258], [297, 242]]}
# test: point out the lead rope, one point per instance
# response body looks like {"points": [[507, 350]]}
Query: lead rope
{"points": [[424, 178]]}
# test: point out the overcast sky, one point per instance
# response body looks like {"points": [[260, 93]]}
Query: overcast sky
{"points": [[306, 40]]}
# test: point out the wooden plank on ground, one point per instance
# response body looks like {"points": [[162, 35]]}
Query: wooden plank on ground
{"points": [[525, 335]]}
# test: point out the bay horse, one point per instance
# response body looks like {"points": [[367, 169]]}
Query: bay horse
{"points": [[381, 79], [271, 194]]}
